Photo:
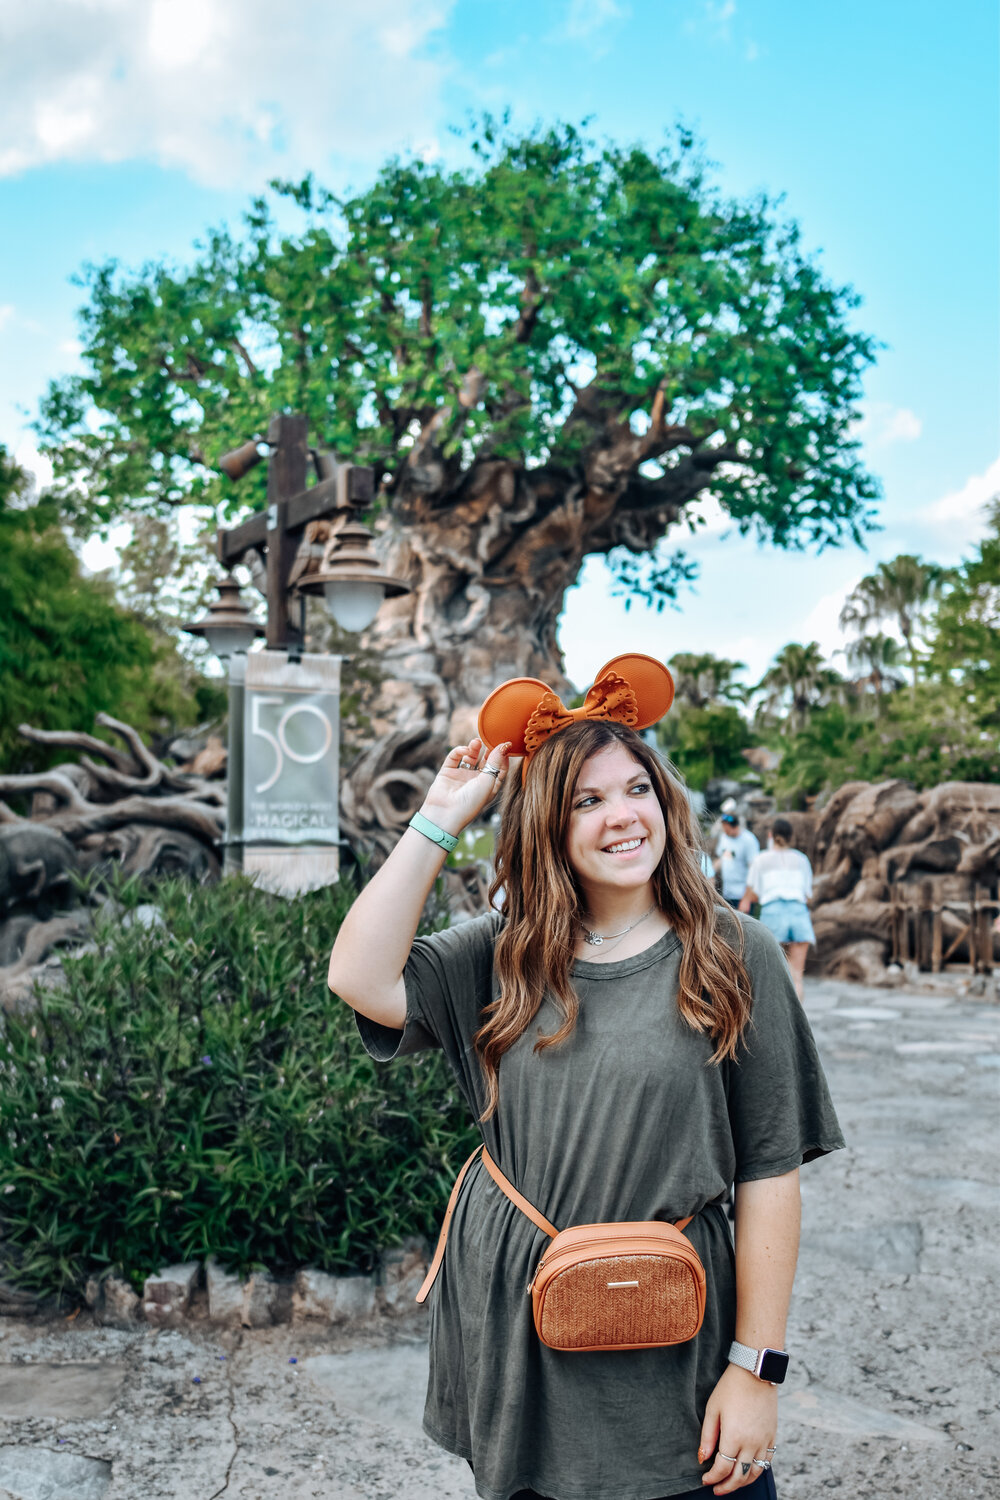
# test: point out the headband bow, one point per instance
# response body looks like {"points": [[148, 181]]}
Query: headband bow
{"points": [[634, 690]]}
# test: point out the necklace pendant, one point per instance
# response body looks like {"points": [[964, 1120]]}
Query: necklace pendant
{"points": [[593, 938]]}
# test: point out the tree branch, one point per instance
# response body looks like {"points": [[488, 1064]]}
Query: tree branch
{"points": [[71, 739], [531, 304], [240, 349]]}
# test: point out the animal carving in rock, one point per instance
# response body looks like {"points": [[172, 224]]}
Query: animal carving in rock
{"points": [[945, 841], [36, 864]]}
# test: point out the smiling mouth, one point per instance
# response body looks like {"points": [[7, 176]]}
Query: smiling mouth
{"points": [[625, 847]]}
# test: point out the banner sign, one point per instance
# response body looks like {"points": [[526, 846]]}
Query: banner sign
{"points": [[291, 761]]}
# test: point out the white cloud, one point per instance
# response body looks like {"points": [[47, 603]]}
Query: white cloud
{"points": [[28, 458], [6, 313], [719, 14], [227, 90], [585, 17], [882, 424], [822, 623], [962, 511]]}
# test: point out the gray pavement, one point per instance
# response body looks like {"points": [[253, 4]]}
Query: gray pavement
{"points": [[895, 1333]]}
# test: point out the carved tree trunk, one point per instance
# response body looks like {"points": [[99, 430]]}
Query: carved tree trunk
{"points": [[489, 562]]}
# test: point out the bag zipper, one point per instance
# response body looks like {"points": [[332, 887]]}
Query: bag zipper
{"points": [[582, 1244]]}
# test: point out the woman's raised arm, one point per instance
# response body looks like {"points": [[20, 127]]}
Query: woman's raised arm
{"points": [[375, 938]]}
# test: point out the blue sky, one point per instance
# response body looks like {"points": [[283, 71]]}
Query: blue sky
{"points": [[128, 128]]}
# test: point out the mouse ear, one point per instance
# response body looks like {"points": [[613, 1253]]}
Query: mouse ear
{"points": [[505, 714], [649, 680]]}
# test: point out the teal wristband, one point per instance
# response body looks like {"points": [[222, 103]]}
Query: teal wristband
{"points": [[446, 841]]}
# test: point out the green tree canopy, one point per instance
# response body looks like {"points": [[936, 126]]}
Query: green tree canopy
{"points": [[701, 678], [965, 641], [66, 649], [877, 657], [797, 682], [900, 591], [555, 304]]}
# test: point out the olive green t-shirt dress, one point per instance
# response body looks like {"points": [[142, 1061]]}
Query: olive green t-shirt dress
{"points": [[627, 1119]]}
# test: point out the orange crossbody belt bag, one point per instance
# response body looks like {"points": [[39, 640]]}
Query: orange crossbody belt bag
{"points": [[631, 1285]]}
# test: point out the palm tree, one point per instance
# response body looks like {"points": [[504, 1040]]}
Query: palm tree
{"points": [[701, 678], [799, 680], [876, 656], [900, 591]]}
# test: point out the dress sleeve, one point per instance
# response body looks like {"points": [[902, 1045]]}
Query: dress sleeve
{"points": [[780, 1110], [448, 979]]}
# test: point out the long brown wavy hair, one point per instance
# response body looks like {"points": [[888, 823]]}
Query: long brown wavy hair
{"points": [[544, 908]]}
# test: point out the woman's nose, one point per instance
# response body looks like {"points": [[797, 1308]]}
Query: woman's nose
{"points": [[620, 813]]}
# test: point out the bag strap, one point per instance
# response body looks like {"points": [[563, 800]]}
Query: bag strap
{"points": [[518, 1199], [505, 1186]]}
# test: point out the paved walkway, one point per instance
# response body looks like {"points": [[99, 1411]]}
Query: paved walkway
{"points": [[894, 1333]]}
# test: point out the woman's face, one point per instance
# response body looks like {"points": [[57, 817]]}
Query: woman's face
{"points": [[616, 832]]}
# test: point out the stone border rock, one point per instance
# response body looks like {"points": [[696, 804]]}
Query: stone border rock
{"points": [[178, 1296]]}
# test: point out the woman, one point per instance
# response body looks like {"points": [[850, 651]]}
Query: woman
{"points": [[600, 1027], [781, 882]]}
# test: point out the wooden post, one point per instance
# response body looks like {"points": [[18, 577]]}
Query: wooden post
{"points": [[937, 939], [974, 929], [924, 919], [900, 947], [984, 929], [905, 923], [286, 476]]}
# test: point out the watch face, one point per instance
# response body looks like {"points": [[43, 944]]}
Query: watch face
{"points": [[773, 1364]]}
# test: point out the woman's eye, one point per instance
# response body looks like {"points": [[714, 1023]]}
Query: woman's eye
{"points": [[641, 787], [585, 802]]}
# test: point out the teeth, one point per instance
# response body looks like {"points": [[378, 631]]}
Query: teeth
{"points": [[621, 848]]}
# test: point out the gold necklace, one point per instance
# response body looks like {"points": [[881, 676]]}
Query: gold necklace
{"points": [[595, 939]]}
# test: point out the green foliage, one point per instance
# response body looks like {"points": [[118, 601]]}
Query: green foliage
{"points": [[196, 1089], [900, 591], [534, 304], [797, 683], [927, 736], [701, 678], [877, 657], [965, 646], [66, 649], [705, 743]]}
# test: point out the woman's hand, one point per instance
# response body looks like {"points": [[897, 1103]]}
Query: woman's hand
{"points": [[740, 1424], [465, 784]]}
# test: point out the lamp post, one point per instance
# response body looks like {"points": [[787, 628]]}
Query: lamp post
{"points": [[351, 578], [229, 631], [352, 582]]}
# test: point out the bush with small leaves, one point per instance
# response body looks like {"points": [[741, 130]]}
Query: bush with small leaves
{"points": [[196, 1090]]}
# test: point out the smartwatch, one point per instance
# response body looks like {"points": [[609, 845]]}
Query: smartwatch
{"points": [[767, 1364]]}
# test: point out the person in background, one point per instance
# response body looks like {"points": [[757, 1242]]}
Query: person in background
{"points": [[781, 881], [735, 850]]}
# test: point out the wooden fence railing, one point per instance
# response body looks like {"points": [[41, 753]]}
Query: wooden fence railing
{"points": [[917, 927]]}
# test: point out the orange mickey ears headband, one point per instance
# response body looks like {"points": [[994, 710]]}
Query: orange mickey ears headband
{"points": [[634, 690]]}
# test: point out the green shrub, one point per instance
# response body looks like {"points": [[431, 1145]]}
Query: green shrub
{"points": [[195, 1089]]}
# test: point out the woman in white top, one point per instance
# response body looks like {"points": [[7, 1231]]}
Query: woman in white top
{"points": [[781, 882]]}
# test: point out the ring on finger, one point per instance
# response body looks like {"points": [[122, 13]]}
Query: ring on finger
{"points": [[491, 771], [726, 1457], [465, 765], [771, 1450], [762, 1463]]}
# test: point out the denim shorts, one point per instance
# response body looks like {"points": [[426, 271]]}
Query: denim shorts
{"points": [[789, 921]]}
